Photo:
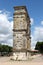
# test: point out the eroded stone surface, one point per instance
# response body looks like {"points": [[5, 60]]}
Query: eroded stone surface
{"points": [[21, 33], [20, 56]]}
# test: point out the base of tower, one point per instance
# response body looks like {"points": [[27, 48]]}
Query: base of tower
{"points": [[21, 56]]}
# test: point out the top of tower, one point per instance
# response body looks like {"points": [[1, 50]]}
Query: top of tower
{"points": [[20, 7]]}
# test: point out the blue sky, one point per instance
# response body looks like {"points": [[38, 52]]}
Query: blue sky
{"points": [[35, 11]]}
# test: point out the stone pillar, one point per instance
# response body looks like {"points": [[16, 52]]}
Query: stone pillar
{"points": [[21, 33]]}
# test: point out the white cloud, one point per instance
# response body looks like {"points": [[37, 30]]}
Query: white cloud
{"points": [[33, 42], [5, 28], [39, 32], [41, 22], [37, 36], [10, 42], [0, 11], [32, 21]]}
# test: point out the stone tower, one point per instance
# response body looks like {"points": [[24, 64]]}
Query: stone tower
{"points": [[21, 33]]}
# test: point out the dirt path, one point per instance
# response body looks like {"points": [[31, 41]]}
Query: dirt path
{"points": [[38, 60]]}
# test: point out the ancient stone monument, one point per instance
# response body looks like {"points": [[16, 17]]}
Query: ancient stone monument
{"points": [[21, 34]]}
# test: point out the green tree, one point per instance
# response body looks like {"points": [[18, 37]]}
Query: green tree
{"points": [[0, 48], [10, 49], [39, 46], [5, 48]]}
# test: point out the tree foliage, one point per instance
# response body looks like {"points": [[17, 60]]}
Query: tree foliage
{"points": [[5, 48], [39, 46]]}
